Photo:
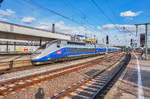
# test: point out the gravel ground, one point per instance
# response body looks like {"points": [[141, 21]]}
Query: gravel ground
{"points": [[19, 74], [25, 61], [8, 58], [49, 88], [25, 57], [15, 57]]}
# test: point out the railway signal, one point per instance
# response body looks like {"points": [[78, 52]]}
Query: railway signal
{"points": [[142, 39], [107, 39], [146, 38]]}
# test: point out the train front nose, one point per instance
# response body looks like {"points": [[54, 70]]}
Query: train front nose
{"points": [[36, 55]]}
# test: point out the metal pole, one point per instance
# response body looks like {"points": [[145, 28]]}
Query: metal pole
{"points": [[107, 42], [146, 38], [11, 65], [14, 46], [53, 28], [7, 47], [40, 42], [146, 46], [95, 43], [136, 35], [136, 29]]}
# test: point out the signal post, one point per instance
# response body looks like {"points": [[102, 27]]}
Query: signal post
{"points": [[146, 37], [107, 43]]}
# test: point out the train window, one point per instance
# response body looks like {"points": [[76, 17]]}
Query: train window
{"points": [[43, 46], [75, 43], [58, 46], [58, 43], [80, 50], [50, 43]]}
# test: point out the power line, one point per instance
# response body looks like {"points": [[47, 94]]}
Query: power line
{"points": [[75, 8], [101, 10], [52, 11], [84, 16], [114, 14], [109, 19]]}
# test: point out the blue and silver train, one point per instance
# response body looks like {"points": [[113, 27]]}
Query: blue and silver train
{"points": [[60, 49]]}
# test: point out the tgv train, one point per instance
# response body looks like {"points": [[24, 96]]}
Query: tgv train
{"points": [[60, 49]]}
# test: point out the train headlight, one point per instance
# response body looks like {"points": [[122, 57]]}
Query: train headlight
{"points": [[59, 52]]}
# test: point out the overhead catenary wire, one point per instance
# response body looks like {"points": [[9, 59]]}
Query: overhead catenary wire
{"points": [[103, 12], [52, 11], [56, 13], [108, 18], [75, 8], [114, 14], [83, 15]]}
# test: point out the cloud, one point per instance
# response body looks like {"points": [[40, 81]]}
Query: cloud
{"points": [[28, 19], [61, 27], [3, 19], [7, 12], [99, 28], [115, 39], [43, 23], [130, 14], [120, 27], [108, 26]]}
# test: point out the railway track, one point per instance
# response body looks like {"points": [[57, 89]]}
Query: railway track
{"points": [[97, 85], [20, 65], [7, 64], [9, 85]]}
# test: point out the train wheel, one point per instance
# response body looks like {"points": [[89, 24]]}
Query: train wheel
{"points": [[36, 63]]}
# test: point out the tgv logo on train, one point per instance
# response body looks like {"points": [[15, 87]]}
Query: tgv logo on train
{"points": [[62, 50]]}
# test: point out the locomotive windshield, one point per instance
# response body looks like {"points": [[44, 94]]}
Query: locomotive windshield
{"points": [[48, 44], [43, 46]]}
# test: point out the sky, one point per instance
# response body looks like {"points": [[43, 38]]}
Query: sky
{"points": [[115, 18]]}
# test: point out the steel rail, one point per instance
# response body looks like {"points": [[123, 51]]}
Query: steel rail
{"points": [[10, 66], [67, 91], [36, 78], [106, 84]]}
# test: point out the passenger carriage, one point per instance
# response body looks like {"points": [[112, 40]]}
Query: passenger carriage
{"points": [[63, 49]]}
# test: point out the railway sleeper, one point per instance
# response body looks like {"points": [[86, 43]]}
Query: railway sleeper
{"points": [[91, 88], [83, 90], [93, 85], [78, 96]]}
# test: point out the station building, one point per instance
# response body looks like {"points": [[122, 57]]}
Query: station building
{"points": [[19, 38]]}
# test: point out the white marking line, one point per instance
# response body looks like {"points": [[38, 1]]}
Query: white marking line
{"points": [[140, 88]]}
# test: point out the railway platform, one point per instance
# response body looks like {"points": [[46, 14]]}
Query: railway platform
{"points": [[134, 83], [14, 53]]}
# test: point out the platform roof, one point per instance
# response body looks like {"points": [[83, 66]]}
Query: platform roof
{"points": [[20, 32]]}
